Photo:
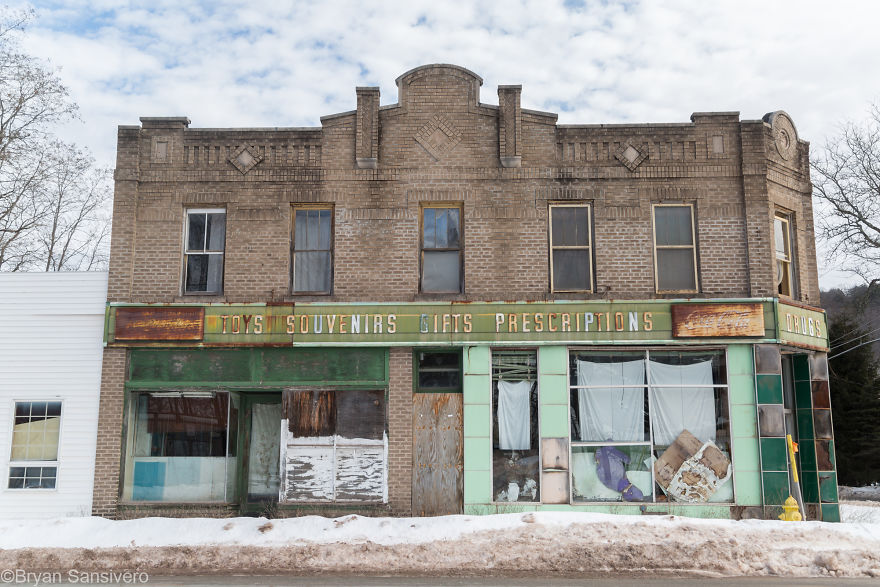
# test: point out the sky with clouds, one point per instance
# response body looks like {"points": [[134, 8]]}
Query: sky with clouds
{"points": [[250, 63]]}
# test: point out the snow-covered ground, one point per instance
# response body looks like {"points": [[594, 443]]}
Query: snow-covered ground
{"points": [[536, 543]]}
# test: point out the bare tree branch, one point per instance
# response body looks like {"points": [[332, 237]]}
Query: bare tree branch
{"points": [[846, 179]]}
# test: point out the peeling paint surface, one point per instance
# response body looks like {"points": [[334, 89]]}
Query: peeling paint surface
{"points": [[696, 482], [333, 468]]}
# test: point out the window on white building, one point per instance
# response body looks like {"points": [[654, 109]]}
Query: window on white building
{"points": [[33, 463]]}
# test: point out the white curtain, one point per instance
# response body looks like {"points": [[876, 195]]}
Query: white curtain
{"points": [[608, 413], [514, 415], [675, 408]]}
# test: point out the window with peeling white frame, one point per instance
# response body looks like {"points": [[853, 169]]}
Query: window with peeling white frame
{"points": [[629, 407], [205, 245], [571, 259], [33, 462], [312, 250], [441, 249]]}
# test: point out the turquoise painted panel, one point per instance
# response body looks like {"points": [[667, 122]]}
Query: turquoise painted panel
{"points": [[475, 360], [748, 487], [744, 421], [477, 453], [740, 360], [805, 424], [702, 511], [773, 454], [553, 389], [553, 360], [807, 454], [828, 487], [775, 488], [810, 486], [769, 389], [473, 509], [803, 396], [515, 508], [477, 487], [742, 389], [745, 454], [554, 421], [476, 420], [801, 368], [830, 512], [477, 389]]}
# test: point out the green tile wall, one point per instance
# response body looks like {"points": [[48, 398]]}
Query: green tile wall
{"points": [[769, 389], [553, 395], [773, 457], [744, 424], [476, 365]]}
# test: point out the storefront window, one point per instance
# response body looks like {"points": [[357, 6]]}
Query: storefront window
{"points": [[182, 447], [515, 435], [642, 421]]}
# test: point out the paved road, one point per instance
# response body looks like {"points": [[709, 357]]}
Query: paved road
{"points": [[325, 581]]}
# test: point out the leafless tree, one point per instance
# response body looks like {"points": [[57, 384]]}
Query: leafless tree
{"points": [[846, 177], [52, 198]]}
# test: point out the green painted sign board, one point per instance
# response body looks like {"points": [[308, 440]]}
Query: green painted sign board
{"points": [[425, 324]]}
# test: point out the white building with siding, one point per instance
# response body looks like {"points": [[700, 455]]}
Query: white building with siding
{"points": [[51, 339]]}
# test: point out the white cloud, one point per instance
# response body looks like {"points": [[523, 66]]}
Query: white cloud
{"points": [[233, 63]]}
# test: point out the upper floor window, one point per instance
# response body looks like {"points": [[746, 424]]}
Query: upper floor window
{"points": [[441, 260], [205, 245], [312, 250], [571, 260], [782, 242], [675, 250], [33, 463]]}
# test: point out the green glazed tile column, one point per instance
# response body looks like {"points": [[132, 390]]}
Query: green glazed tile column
{"points": [[744, 425], [553, 391], [823, 437], [476, 367], [771, 427]]}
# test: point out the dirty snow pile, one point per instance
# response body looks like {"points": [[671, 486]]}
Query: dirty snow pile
{"points": [[562, 543]]}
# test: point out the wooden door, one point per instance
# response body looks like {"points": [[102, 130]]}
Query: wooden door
{"points": [[437, 454]]}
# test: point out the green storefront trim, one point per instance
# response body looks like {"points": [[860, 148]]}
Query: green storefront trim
{"points": [[465, 323]]}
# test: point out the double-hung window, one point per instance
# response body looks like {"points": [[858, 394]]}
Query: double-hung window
{"points": [[441, 253], [571, 262], [312, 250], [33, 463], [205, 246], [675, 249], [782, 242]]}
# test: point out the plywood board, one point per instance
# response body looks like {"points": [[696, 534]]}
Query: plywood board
{"points": [[437, 454]]}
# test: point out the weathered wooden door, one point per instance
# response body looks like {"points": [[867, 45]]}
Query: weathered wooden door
{"points": [[437, 454]]}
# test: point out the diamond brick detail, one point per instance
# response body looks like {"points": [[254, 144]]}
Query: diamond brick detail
{"points": [[630, 155], [438, 136], [245, 158]]}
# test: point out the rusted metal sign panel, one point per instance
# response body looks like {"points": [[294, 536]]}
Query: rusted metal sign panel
{"points": [[437, 454], [159, 323], [717, 320]]}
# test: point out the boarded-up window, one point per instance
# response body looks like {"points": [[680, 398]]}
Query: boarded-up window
{"points": [[335, 446]]}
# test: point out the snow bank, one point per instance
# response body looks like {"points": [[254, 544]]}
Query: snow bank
{"points": [[544, 542]]}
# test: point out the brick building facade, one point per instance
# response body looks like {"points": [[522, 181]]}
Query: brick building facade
{"points": [[433, 306]]}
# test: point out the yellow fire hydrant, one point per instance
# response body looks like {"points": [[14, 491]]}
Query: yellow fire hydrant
{"points": [[791, 512]]}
